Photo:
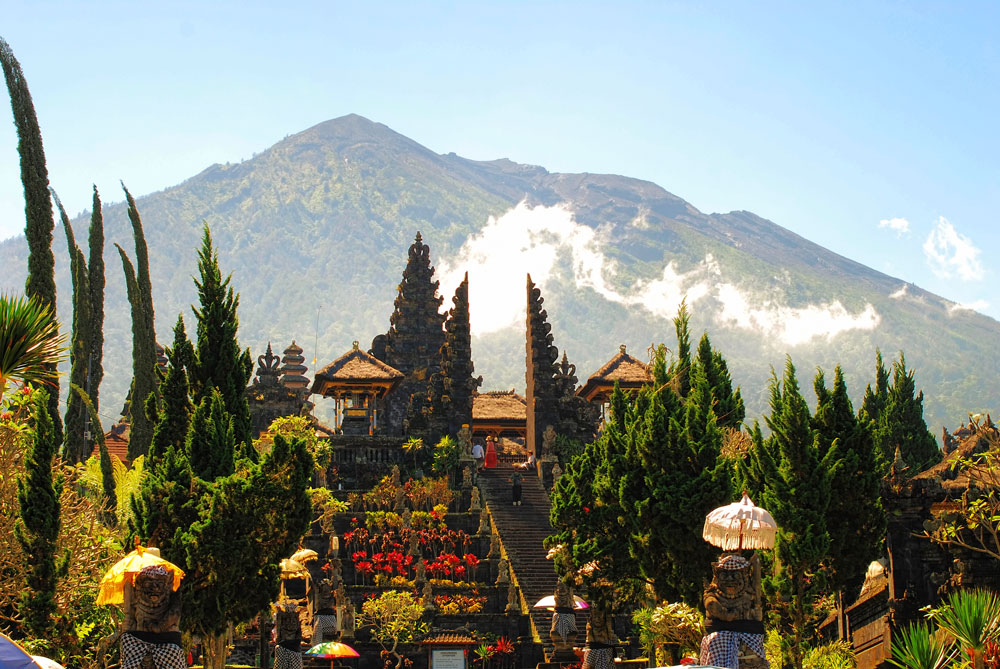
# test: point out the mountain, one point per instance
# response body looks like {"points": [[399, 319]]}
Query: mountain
{"points": [[315, 230]]}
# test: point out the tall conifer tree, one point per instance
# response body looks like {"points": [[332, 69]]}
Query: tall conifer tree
{"points": [[75, 443], [39, 221], [37, 528], [855, 519], [793, 483], [210, 442], [174, 416], [219, 363], [95, 269]]}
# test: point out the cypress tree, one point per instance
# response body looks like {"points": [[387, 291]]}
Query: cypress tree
{"points": [[795, 488], [449, 400], [729, 409], [210, 442], [95, 269], [219, 363], [143, 365], [902, 423], [680, 370], [855, 519], [37, 527], [873, 406], [39, 221], [75, 444], [175, 415]]}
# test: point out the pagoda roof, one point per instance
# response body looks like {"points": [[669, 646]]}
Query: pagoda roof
{"points": [[499, 405], [628, 372], [356, 368], [116, 440]]}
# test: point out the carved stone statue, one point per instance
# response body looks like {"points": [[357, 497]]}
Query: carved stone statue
{"points": [[600, 650], [420, 573], [484, 522], [563, 631], [414, 546], [464, 437], [475, 504], [336, 573], [347, 622], [395, 475], [494, 546], [153, 612], [513, 605], [288, 636], [548, 442], [399, 504], [428, 597], [340, 594], [466, 477], [734, 612], [556, 473], [407, 517], [503, 572]]}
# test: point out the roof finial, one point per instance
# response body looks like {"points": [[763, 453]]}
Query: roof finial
{"points": [[356, 344], [621, 347]]}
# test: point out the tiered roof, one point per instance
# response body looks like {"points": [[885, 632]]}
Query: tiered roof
{"points": [[631, 374], [356, 369]]}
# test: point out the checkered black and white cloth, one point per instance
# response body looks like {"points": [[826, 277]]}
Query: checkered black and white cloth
{"points": [[324, 626], [722, 648], [165, 655], [563, 624], [599, 658], [286, 659]]}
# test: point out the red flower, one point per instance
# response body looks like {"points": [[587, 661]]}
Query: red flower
{"points": [[586, 509]]}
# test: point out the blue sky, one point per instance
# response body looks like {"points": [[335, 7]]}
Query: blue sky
{"points": [[868, 128]]}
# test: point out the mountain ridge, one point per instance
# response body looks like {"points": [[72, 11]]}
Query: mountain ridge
{"points": [[318, 225]]}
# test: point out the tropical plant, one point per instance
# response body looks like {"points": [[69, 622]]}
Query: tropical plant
{"points": [[918, 647], [670, 628], [835, 655], [394, 617], [414, 447], [446, 455], [127, 481], [30, 343], [973, 618]]}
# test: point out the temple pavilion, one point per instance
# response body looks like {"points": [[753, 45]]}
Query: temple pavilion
{"points": [[357, 381], [499, 413], [629, 373]]}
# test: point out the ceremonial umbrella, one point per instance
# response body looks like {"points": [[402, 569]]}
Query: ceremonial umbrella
{"points": [[550, 603], [303, 555], [331, 650], [739, 526], [292, 569], [112, 589]]}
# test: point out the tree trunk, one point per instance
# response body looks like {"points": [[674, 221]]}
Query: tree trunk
{"points": [[215, 651]]}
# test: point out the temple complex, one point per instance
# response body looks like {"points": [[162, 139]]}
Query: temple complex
{"points": [[498, 414], [271, 395]]}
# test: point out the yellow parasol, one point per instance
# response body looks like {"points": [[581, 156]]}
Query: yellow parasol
{"points": [[292, 569], [113, 584], [304, 555]]}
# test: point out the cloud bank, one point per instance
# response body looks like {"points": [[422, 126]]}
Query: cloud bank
{"points": [[950, 253], [900, 225], [535, 239]]}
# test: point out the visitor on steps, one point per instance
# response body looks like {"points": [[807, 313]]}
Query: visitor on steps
{"points": [[528, 465], [478, 455], [491, 453], [515, 488]]}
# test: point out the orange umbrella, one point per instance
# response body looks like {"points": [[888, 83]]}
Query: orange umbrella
{"points": [[113, 584]]}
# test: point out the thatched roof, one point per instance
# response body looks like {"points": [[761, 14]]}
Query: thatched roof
{"points": [[499, 405], [356, 367], [628, 372]]}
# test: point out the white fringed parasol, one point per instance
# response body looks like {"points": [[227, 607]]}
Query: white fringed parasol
{"points": [[740, 526]]}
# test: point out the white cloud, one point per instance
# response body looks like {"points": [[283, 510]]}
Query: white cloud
{"points": [[901, 293], [791, 325], [532, 239], [950, 253], [900, 225], [979, 305]]}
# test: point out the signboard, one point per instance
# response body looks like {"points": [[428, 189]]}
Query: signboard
{"points": [[448, 658]]}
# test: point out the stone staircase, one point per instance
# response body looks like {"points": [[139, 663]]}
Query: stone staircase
{"points": [[522, 530]]}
